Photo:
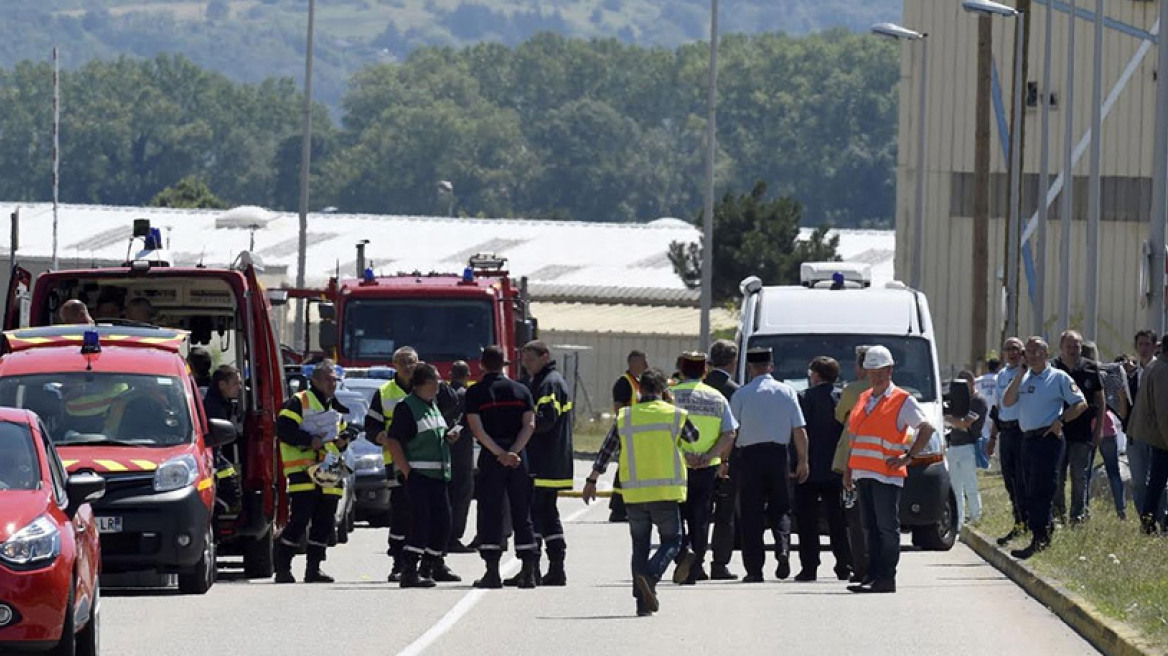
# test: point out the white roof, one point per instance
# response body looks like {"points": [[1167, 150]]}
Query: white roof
{"points": [[875, 311], [628, 319], [617, 261]]}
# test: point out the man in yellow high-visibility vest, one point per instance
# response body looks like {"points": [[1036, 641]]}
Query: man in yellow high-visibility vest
{"points": [[648, 438]]}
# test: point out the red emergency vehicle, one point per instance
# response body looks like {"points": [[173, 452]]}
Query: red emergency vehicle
{"points": [[121, 403], [225, 311], [445, 317]]}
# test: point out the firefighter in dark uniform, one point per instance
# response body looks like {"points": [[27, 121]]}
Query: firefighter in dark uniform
{"points": [[219, 403], [462, 478], [550, 451], [625, 392], [311, 429], [419, 441], [501, 416]]}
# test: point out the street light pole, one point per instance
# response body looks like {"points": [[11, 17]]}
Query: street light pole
{"points": [[1043, 181], [1156, 239], [1094, 196], [708, 214], [893, 31], [305, 161], [1068, 206]]}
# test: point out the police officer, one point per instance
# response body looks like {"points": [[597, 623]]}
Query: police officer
{"points": [[501, 416], [418, 440], [1006, 436], [625, 392], [550, 451], [648, 438], [769, 419], [309, 427], [723, 359], [1041, 394], [710, 413]]}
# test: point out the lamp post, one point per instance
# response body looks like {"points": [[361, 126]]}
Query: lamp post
{"points": [[1159, 184], [893, 31], [1043, 181], [1095, 189], [305, 162], [1068, 204], [1013, 229], [446, 190], [707, 292]]}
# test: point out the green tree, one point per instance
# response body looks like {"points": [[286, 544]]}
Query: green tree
{"points": [[753, 237], [189, 193]]}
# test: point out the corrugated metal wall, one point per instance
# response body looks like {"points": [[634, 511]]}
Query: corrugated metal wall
{"points": [[1126, 166], [603, 358]]}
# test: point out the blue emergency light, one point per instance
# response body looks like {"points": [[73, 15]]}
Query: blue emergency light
{"points": [[369, 275], [468, 274], [90, 343], [154, 240], [837, 278]]}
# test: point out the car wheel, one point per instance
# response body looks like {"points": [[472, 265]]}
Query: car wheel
{"points": [[200, 579], [67, 645], [257, 557], [942, 535], [89, 639]]}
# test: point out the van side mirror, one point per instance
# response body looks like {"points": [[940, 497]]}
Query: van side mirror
{"points": [[327, 311], [221, 433], [326, 335], [524, 332], [81, 489]]}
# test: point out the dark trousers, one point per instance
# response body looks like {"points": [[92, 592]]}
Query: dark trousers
{"points": [[399, 517], [695, 510], [499, 486], [1010, 452], [1074, 464], [462, 484], [429, 518], [666, 516], [1157, 482], [764, 500], [725, 511], [616, 503], [810, 500], [549, 529], [1042, 455], [311, 511], [880, 505], [857, 536]]}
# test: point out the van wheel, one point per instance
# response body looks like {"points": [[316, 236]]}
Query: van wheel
{"points": [[942, 535], [257, 557], [89, 639], [67, 645], [202, 577]]}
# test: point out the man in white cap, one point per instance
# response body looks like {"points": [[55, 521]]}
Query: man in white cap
{"points": [[882, 426]]}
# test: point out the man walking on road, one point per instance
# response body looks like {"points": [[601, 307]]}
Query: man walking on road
{"points": [[648, 438], [1006, 437], [1150, 420], [501, 415], [709, 411], [723, 359], [880, 425], [625, 392], [857, 538], [1040, 394], [769, 419]]}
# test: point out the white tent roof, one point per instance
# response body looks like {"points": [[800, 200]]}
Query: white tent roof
{"points": [[617, 261]]}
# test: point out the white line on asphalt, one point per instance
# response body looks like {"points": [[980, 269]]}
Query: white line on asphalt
{"points": [[468, 601]]}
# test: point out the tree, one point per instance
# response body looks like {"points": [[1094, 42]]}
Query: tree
{"points": [[189, 193], [754, 237]]}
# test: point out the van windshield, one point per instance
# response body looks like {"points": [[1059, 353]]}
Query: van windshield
{"points": [[109, 408], [440, 330], [914, 370]]}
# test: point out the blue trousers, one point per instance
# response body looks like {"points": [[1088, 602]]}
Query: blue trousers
{"points": [[666, 516]]}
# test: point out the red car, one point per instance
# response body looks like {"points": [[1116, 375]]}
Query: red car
{"points": [[50, 557]]}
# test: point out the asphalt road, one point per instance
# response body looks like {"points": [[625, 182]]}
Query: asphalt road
{"points": [[948, 603]]}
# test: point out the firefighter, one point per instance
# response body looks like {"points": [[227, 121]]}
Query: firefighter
{"points": [[219, 403], [550, 451], [310, 427], [417, 438]]}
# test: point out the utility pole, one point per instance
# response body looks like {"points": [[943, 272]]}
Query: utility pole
{"points": [[56, 150], [1014, 218], [1156, 238], [1094, 196], [305, 162], [1068, 206], [981, 189], [711, 152], [1043, 179]]}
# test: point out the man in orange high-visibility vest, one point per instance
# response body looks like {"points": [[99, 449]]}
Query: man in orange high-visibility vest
{"points": [[882, 426]]}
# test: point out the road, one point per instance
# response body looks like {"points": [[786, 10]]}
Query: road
{"points": [[948, 603]]}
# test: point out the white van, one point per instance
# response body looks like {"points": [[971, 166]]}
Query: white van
{"points": [[835, 310]]}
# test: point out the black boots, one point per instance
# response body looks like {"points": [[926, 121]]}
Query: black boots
{"points": [[556, 576], [528, 575], [490, 580], [436, 570], [1018, 530], [1035, 547], [514, 581], [720, 572], [313, 573], [282, 555], [411, 578]]}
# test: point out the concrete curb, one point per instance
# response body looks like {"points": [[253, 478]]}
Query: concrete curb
{"points": [[1109, 636]]}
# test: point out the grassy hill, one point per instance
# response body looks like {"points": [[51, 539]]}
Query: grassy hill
{"points": [[255, 39]]}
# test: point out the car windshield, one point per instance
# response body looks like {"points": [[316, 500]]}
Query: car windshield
{"points": [[19, 469], [914, 370], [107, 408], [438, 329]]}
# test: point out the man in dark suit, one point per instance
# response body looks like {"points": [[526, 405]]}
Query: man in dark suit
{"points": [[723, 357]]}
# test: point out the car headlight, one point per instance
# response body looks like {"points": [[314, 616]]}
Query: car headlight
{"points": [[37, 544], [176, 473], [370, 462]]}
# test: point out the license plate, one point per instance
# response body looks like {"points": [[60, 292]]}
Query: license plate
{"points": [[109, 524]]}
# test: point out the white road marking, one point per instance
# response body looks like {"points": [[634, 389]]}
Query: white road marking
{"points": [[468, 601]]}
